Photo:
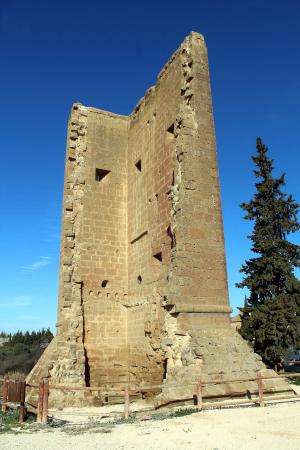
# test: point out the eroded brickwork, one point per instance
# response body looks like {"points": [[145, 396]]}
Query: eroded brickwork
{"points": [[143, 287]]}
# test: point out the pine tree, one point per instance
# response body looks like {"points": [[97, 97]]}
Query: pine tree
{"points": [[271, 315]]}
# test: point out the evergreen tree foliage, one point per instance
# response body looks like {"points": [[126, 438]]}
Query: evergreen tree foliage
{"points": [[23, 350], [271, 315], [29, 338]]}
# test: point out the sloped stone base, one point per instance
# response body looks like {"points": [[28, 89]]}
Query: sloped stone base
{"points": [[59, 365], [219, 354]]}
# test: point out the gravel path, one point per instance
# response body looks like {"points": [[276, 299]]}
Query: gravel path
{"points": [[273, 427]]}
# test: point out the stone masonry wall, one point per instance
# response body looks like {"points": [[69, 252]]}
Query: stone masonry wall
{"points": [[103, 262], [143, 292], [149, 240], [199, 266]]}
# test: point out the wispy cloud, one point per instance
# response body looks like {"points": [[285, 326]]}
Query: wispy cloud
{"points": [[37, 265], [27, 318], [20, 300]]}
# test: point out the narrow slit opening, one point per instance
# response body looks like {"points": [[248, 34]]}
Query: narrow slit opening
{"points": [[171, 236], [165, 369], [87, 370]]}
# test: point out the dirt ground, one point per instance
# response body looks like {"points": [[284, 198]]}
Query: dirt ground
{"points": [[272, 427]]}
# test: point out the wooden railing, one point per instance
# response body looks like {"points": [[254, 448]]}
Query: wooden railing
{"points": [[14, 392]]}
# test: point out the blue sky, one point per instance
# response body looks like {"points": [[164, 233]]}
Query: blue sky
{"points": [[106, 54]]}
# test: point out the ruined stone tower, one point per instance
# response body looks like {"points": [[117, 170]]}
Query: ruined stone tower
{"points": [[143, 287]]}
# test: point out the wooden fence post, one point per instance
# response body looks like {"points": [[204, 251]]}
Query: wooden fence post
{"points": [[39, 414], [22, 401], [260, 389], [199, 395], [4, 395], [45, 401], [126, 402]]}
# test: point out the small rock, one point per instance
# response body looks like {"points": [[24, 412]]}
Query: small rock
{"points": [[145, 418]]}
